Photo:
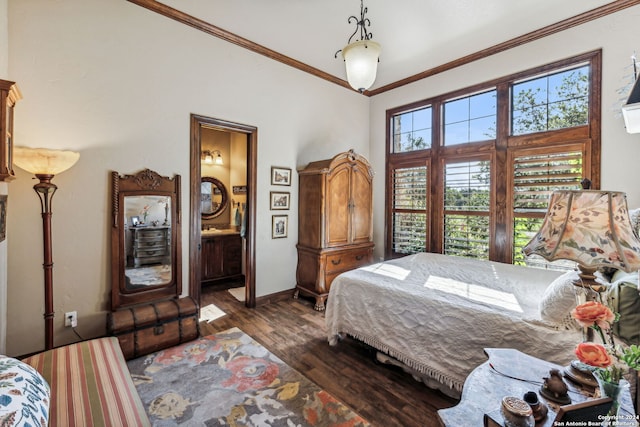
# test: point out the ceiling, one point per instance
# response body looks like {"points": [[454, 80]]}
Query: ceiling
{"points": [[415, 35]]}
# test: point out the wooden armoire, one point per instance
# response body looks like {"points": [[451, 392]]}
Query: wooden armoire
{"points": [[335, 223]]}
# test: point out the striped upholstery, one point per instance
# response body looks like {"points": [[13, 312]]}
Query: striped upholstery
{"points": [[90, 385]]}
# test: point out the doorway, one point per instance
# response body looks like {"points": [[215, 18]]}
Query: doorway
{"points": [[198, 125]]}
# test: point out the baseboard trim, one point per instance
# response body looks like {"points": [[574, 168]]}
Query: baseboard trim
{"points": [[278, 296]]}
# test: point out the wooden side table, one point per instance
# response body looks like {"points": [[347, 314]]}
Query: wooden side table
{"points": [[485, 387]]}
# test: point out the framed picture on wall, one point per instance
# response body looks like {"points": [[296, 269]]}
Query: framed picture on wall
{"points": [[279, 226], [239, 189], [280, 176], [279, 200], [3, 217]]}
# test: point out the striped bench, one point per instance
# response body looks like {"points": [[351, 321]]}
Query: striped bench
{"points": [[90, 385]]}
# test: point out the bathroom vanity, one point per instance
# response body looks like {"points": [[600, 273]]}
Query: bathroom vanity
{"points": [[221, 256]]}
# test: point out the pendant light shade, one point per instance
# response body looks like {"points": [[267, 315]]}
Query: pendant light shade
{"points": [[361, 61], [361, 56]]}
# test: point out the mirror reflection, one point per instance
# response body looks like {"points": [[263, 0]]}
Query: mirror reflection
{"points": [[214, 197], [147, 241]]}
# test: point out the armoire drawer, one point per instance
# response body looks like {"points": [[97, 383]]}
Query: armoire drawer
{"points": [[349, 260]]}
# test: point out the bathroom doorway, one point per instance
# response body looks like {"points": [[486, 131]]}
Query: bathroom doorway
{"points": [[211, 141]]}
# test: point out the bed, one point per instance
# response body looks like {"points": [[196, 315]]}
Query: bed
{"points": [[435, 313]]}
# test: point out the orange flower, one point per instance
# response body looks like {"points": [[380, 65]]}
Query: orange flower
{"points": [[594, 313], [593, 354]]}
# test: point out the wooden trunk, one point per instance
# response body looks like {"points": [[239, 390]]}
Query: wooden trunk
{"points": [[144, 329]]}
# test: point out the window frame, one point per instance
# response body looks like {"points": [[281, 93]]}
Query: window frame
{"points": [[408, 163], [462, 159], [502, 150]]}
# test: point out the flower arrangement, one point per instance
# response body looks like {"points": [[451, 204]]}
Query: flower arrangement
{"points": [[145, 212], [610, 361]]}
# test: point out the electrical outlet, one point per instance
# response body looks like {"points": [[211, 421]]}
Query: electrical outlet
{"points": [[71, 319]]}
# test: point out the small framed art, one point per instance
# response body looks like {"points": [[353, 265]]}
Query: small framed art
{"points": [[239, 189], [279, 200], [280, 176], [135, 221], [593, 410], [279, 226]]}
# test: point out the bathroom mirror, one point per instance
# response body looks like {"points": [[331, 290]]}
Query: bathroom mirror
{"points": [[213, 197], [145, 238]]}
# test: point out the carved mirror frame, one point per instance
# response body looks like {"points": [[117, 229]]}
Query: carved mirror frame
{"points": [[223, 193], [144, 183]]}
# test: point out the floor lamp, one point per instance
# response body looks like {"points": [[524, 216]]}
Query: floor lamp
{"points": [[45, 164]]}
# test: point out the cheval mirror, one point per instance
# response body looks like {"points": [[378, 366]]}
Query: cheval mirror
{"points": [[145, 238]]}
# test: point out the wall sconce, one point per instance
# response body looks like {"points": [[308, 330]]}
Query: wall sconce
{"points": [[208, 157], [44, 164], [631, 110], [361, 56]]}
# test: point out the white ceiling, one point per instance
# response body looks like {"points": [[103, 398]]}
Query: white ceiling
{"points": [[415, 35]]}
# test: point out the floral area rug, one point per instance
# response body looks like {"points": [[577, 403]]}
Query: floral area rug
{"points": [[228, 379]]}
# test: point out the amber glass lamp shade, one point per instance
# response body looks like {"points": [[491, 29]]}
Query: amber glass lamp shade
{"points": [[42, 161]]}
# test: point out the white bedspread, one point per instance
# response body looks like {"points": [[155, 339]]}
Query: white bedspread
{"points": [[436, 313]]}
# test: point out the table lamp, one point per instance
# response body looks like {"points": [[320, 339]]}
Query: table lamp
{"points": [[44, 164], [589, 227]]}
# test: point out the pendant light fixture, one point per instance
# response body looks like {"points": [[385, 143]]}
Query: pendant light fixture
{"points": [[361, 56]]}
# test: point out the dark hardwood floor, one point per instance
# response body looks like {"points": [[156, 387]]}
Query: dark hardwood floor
{"points": [[296, 333]]}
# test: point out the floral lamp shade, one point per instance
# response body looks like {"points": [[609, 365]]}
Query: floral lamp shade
{"points": [[589, 227]]}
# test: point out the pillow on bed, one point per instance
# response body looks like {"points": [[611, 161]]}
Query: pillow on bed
{"points": [[558, 300], [24, 394], [625, 299]]}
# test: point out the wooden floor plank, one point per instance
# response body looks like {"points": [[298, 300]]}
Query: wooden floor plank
{"points": [[293, 331]]}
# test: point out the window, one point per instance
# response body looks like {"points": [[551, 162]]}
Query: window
{"points": [[550, 102], [412, 130], [409, 209], [471, 172], [466, 209], [536, 176], [472, 118]]}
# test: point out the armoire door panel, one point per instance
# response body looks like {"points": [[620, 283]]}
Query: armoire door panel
{"points": [[362, 206], [338, 207]]}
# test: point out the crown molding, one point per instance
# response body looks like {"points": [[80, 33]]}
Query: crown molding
{"points": [[218, 32]]}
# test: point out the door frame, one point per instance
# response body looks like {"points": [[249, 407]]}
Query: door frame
{"points": [[199, 122]]}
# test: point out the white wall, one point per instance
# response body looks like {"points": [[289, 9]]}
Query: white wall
{"points": [[616, 34], [117, 83], [4, 188]]}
